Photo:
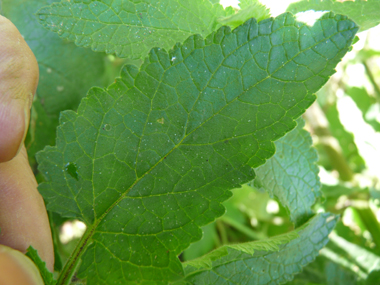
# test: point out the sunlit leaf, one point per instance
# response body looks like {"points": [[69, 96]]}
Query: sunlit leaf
{"points": [[153, 156]]}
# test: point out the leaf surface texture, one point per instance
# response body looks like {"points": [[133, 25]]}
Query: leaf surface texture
{"points": [[292, 174], [149, 160], [273, 261], [130, 28]]}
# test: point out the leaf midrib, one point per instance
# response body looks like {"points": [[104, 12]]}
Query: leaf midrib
{"points": [[186, 135], [91, 230]]}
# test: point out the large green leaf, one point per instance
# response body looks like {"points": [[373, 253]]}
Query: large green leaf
{"points": [[273, 261], [365, 13], [292, 174], [130, 28], [147, 161]]}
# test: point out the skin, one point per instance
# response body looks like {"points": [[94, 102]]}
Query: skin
{"points": [[23, 217]]}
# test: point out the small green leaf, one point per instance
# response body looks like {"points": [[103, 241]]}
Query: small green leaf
{"points": [[46, 275], [273, 261], [130, 28], [146, 186], [365, 13], [291, 174]]}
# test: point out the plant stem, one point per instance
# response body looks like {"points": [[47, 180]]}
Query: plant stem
{"points": [[222, 232], [243, 229], [73, 261], [318, 122], [372, 80], [369, 219]]}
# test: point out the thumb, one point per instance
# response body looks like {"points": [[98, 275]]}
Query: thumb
{"points": [[16, 268], [19, 78]]}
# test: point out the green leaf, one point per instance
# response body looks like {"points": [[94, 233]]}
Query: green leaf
{"points": [[291, 174], [130, 28], [249, 9], [66, 71], [273, 261], [362, 12], [157, 152], [46, 275]]}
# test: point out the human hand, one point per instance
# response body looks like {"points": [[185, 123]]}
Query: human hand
{"points": [[23, 217]]}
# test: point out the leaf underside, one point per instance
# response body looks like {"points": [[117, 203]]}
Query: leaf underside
{"points": [[292, 174], [274, 261], [365, 13], [130, 28], [152, 157]]}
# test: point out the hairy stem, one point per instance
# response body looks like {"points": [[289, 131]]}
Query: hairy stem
{"points": [[372, 79], [73, 261]]}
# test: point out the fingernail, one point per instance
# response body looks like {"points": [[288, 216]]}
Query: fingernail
{"points": [[16, 268]]}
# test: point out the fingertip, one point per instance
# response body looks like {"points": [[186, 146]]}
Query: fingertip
{"points": [[16, 268], [18, 82], [23, 217]]}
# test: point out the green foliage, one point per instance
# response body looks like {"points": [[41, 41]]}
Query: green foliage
{"points": [[130, 28], [354, 258], [291, 174], [273, 261], [147, 161], [362, 12]]}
